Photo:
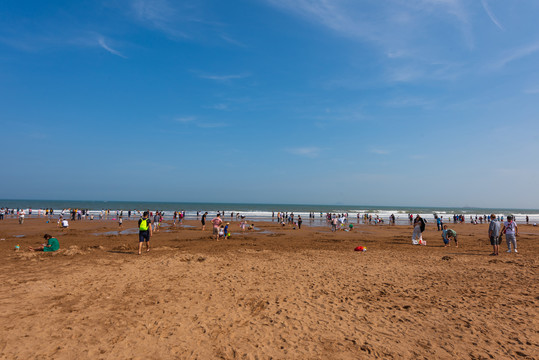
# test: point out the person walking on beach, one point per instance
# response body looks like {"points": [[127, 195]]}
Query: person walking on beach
{"points": [[21, 216], [419, 227], [203, 221], [299, 221], [216, 221], [156, 222], [145, 232], [439, 223], [510, 229], [494, 234]]}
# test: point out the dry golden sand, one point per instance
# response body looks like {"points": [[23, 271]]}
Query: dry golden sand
{"points": [[282, 294]]}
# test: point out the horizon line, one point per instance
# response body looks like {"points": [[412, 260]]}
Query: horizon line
{"points": [[286, 204]]}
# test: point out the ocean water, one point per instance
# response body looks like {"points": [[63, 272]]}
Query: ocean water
{"points": [[264, 211]]}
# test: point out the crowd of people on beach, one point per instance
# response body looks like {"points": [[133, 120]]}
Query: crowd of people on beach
{"points": [[150, 222]]}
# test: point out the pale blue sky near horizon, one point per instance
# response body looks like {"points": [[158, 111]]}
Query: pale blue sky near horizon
{"points": [[405, 103]]}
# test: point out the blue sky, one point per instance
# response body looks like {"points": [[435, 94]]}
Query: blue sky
{"points": [[420, 103]]}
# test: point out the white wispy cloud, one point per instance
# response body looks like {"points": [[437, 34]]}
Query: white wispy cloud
{"points": [[399, 29], [232, 41], [311, 152], [185, 119], [218, 107], [212, 125], [491, 15], [104, 45], [223, 78], [515, 54], [330, 14], [379, 25], [198, 122], [409, 101], [380, 151], [159, 14], [532, 90]]}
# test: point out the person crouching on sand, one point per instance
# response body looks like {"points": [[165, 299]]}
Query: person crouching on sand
{"points": [[51, 245], [444, 236], [452, 234]]}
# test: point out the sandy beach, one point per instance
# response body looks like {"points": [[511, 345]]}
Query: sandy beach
{"points": [[273, 293]]}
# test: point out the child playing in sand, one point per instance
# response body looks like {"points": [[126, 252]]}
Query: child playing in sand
{"points": [[452, 234], [221, 232], [51, 245], [120, 222], [444, 236]]}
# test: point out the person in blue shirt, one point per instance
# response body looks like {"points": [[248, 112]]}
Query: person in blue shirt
{"points": [[226, 230], [439, 223], [444, 236]]}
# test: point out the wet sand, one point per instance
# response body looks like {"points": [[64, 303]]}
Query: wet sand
{"points": [[274, 293]]}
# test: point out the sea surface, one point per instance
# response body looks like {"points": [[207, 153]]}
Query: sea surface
{"points": [[265, 211]]}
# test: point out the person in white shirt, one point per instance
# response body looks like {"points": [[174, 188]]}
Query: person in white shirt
{"points": [[510, 229]]}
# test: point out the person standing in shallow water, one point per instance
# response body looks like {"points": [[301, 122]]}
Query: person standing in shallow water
{"points": [[203, 221]]}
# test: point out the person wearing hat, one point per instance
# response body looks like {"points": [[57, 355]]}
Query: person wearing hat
{"points": [[510, 229]]}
